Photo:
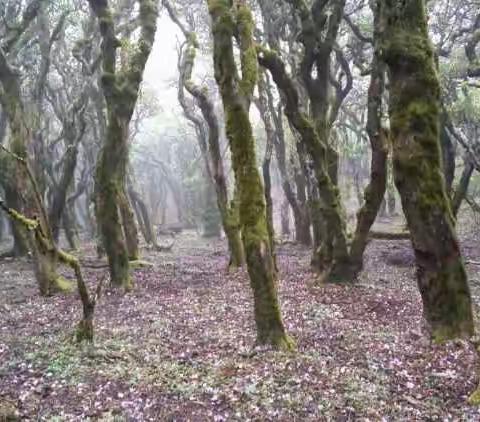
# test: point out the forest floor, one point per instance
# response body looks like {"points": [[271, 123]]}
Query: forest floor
{"points": [[179, 347]]}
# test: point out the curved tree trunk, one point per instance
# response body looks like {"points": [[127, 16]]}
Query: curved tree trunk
{"points": [[236, 94], [375, 191], [229, 212], [415, 113], [334, 261]]}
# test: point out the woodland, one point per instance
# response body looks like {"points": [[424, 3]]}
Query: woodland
{"points": [[232, 210]]}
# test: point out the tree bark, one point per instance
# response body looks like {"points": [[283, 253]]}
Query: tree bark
{"points": [[414, 113]]}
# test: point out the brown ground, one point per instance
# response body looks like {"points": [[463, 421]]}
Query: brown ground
{"points": [[180, 346]]}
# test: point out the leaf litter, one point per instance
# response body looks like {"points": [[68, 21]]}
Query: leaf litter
{"points": [[180, 346]]}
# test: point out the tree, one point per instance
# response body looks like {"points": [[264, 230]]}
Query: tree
{"points": [[229, 21], [120, 88], [414, 115], [209, 140]]}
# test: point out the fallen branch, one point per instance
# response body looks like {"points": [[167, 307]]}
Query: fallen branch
{"points": [[389, 235]]}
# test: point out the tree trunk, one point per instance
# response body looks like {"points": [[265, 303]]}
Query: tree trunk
{"points": [[462, 187], [59, 202], [70, 227], [285, 218], [414, 114], [143, 217], [20, 238], [301, 212], [375, 191], [231, 226], [212, 226], [120, 89], [236, 94], [108, 188]]}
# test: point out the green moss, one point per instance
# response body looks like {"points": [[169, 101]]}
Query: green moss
{"points": [[474, 398], [62, 285], [249, 63], [252, 207]]}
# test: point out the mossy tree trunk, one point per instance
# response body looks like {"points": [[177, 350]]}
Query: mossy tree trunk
{"points": [[414, 113], [229, 22], [19, 192], [319, 27], [120, 89], [210, 216], [228, 209], [14, 200], [212, 222], [391, 199], [15, 183]]}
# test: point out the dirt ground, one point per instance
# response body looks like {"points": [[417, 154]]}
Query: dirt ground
{"points": [[179, 347]]}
